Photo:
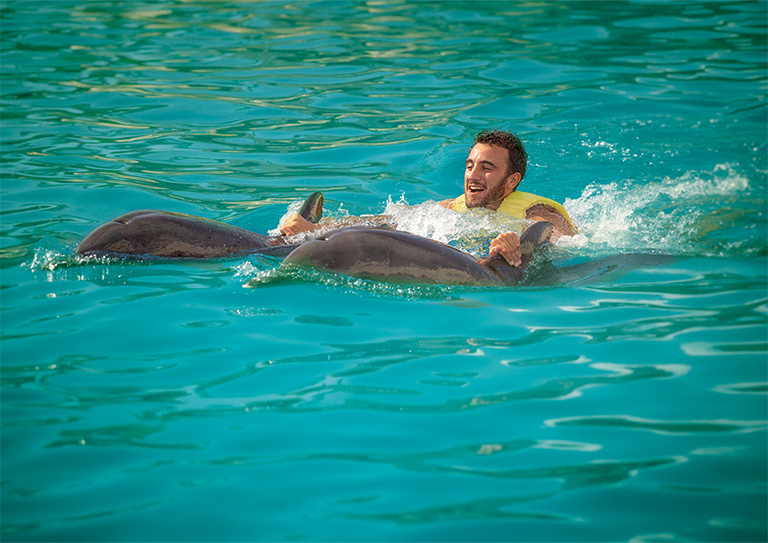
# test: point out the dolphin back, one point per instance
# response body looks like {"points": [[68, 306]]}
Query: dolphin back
{"points": [[171, 235], [377, 253], [163, 234]]}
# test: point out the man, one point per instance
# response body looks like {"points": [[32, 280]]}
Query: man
{"points": [[494, 168]]}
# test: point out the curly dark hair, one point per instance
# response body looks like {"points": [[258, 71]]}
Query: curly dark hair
{"points": [[518, 158]]}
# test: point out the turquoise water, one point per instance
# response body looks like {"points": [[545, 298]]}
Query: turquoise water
{"points": [[232, 401]]}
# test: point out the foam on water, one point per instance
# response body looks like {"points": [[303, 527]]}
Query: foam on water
{"points": [[433, 221], [680, 215]]}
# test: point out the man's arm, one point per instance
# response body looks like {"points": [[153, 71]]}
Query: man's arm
{"points": [[541, 212], [296, 224]]}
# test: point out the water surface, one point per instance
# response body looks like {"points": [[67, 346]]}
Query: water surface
{"points": [[232, 401]]}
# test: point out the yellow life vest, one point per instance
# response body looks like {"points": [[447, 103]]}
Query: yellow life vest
{"points": [[517, 204]]}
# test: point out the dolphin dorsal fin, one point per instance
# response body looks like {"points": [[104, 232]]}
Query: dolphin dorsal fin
{"points": [[312, 209], [534, 237]]}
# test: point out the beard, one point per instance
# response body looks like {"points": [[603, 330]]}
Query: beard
{"points": [[491, 196]]}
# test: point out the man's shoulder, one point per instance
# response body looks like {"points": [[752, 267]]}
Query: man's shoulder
{"points": [[552, 215], [544, 208], [448, 204]]}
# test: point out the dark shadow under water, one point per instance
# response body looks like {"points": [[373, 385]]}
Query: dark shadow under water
{"points": [[546, 272]]}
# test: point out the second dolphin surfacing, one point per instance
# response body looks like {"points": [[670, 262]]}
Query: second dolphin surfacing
{"points": [[376, 253], [162, 234]]}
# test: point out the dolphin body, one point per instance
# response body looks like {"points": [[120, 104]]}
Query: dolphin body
{"points": [[377, 253], [151, 233]]}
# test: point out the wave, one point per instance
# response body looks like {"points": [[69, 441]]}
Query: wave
{"points": [[705, 213]]}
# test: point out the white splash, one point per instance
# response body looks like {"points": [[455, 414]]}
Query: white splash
{"points": [[433, 221], [671, 214]]}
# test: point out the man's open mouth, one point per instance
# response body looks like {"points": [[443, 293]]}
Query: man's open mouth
{"points": [[474, 189]]}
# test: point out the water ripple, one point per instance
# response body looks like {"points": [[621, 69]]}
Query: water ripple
{"points": [[332, 408], [663, 427], [333, 393]]}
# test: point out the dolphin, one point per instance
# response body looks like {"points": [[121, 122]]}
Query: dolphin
{"points": [[152, 233], [385, 254]]}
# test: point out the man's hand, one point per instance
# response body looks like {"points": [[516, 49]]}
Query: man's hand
{"points": [[508, 246], [296, 224]]}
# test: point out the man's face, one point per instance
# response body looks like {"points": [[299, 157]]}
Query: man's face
{"points": [[486, 182]]}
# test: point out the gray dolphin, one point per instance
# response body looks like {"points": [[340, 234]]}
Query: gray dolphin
{"points": [[378, 253], [151, 233]]}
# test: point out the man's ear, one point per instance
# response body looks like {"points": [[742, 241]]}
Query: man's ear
{"points": [[513, 181]]}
